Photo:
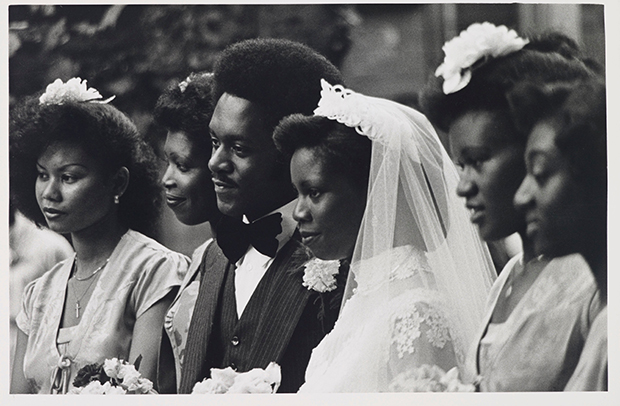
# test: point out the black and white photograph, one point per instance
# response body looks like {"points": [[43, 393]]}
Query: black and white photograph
{"points": [[372, 199]]}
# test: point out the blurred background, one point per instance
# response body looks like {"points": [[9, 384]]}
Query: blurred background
{"points": [[135, 51]]}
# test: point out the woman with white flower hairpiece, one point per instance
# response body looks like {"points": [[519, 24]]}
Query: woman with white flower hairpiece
{"points": [[185, 110], [374, 186], [79, 166], [535, 303]]}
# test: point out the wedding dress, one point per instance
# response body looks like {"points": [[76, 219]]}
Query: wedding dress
{"points": [[419, 275]]}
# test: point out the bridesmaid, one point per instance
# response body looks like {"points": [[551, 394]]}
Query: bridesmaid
{"points": [[185, 111], [564, 194], [527, 306], [80, 167]]}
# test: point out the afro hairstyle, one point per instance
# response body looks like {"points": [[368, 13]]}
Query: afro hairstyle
{"points": [[548, 58], [281, 76]]}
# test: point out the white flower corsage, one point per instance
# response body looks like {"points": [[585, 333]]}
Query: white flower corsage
{"points": [[429, 378], [75, 90], [476, 42], [320, 275], [226, 380], [113, 377]]}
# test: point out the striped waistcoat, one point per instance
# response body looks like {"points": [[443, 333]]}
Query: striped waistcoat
{"points": [[280, 323]]}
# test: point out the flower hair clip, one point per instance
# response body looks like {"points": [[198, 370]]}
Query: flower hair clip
{"points": [[477, 42], [183, 85], [75, 90]]}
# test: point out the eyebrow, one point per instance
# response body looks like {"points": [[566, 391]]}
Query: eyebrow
{"points": [[476, 148], [64, 166], [231, 136], [537, 152], [309, 183], [470, 150], [175, 155]]}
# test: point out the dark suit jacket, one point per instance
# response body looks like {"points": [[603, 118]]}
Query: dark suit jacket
{"points": [[290, 320]]}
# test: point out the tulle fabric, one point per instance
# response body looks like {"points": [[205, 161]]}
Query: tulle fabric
{"points": [[418, 261]]}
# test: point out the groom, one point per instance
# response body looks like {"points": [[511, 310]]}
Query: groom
{"points": [[252, 308]]}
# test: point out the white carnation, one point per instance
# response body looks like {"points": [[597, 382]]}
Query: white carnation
{"points": [[227, 380], [95, 388], [112, 368], [74, 90], [478, 41], [320, 275]]}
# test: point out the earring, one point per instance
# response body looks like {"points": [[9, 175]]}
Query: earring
{"points": [[116, 200]]}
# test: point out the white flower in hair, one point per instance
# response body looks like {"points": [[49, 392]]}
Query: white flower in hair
{"points": [[320, 275], [476, 42], [75, 90], [183, 85]]}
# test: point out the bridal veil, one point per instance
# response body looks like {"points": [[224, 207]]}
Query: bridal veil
{"points": [[416, 247]]}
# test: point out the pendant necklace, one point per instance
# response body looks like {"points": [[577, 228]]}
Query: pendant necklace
{"points": [[77, 301]]}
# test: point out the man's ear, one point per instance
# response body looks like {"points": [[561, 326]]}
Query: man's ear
{"points": [[120, 181]]}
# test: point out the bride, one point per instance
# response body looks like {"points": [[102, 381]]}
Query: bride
{"points": [[375, 187]]}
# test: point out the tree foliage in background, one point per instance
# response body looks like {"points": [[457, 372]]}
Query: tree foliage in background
{"points": [[135, 52]]}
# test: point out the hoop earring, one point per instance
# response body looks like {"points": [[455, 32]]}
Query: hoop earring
{"points": [[116, 200]]}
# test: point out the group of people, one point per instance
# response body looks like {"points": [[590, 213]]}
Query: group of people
{"points": [[349, 246]]}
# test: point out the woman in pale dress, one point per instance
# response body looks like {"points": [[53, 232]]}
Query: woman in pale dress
{"points": [[80, 167], [524, 310], [185, 110], [373, 183], [564, 194]]}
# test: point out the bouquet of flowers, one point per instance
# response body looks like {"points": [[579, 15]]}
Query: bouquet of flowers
{"points": [[430, 378], [227, 380], [112, 377]]}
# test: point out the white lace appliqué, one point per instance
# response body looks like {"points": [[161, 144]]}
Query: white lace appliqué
{"points": [[406, 331], [410, 262], [407, 328], [359, 112], [438, 333]]}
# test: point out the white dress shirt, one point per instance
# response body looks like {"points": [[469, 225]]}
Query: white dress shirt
{"points": [[251, 267]]}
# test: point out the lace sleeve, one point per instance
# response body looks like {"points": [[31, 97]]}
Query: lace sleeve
{"points": [[420, 336]]}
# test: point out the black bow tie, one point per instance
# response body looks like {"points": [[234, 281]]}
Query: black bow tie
{"points": [[234, 236]]}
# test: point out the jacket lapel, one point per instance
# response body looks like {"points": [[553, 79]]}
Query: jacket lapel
{"points": [[286, 300], [215, 268]]}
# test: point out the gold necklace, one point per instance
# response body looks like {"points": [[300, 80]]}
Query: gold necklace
{"points": [[92, 274], [77, 300]]}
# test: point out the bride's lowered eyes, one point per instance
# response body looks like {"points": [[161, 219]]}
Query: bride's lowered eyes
{"points": [[314, 193], [471, 161], [311, 192]]}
